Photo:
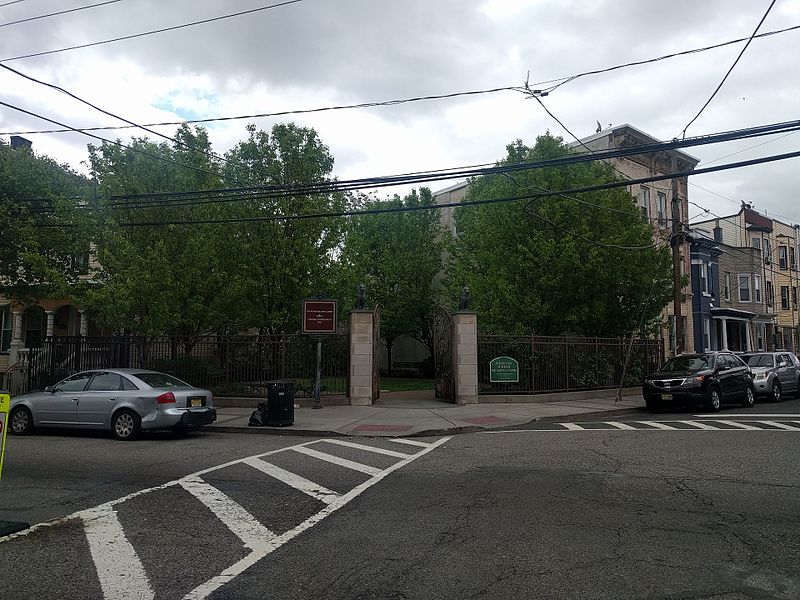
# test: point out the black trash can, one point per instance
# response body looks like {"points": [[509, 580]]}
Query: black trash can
{"points": [[280, 403]]}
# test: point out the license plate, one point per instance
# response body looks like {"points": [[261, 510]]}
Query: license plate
{"points": [[196, 401], [666, 396]]}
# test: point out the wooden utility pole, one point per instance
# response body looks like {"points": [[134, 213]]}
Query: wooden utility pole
{"points": [[676, 240]]}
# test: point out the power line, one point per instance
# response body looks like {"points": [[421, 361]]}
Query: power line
{"points": [[61, 12], [735, 62], [115, 142], [10, 3], [563, 80], [429, 176], [284, 112], [152, 31], [110, 114], [529, 197], [708, 162]]}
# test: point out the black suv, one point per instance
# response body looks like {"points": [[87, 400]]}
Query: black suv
{"points": [[706, 379]]}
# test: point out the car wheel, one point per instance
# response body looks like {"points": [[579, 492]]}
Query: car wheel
{"points": [[749, 398], [797, 389], [21, 421], [126, 425], [714, 400], [652, 405], [777, 392]]}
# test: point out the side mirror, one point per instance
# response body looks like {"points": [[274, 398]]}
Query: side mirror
{"points": [[782, 364], [49, 389]]}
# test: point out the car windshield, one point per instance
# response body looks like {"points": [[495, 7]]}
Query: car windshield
{"points": [[689, 363], [761, 360], [161, 380]]}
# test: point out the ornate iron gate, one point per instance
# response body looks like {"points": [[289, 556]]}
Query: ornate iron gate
{"points": [[376, 354], [443, 354]]}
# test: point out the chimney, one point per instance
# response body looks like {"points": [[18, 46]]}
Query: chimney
{"points": [[18, 142]]}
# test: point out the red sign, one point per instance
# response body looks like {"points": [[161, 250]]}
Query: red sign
{"points": [[319, 316]]}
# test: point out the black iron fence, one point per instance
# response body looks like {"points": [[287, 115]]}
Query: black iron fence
{"points": [[559, 364], [230, 365]]}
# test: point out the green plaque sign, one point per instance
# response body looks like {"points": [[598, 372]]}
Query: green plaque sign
{"points": [[503, 369]]}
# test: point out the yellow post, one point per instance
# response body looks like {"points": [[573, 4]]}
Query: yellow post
{"points": [[5, 403]]}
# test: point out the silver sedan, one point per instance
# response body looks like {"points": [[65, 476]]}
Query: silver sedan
{"points": [[124, 401]]}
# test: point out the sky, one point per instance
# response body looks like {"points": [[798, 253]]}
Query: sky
{"points": [[315, 53]]}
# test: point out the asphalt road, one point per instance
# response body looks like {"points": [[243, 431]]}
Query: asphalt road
{"points": [[672, 505]]}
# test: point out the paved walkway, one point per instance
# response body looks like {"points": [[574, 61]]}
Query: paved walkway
{"points": [[423, 417]]}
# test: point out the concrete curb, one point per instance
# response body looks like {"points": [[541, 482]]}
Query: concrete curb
{"points": [[425, 433]]}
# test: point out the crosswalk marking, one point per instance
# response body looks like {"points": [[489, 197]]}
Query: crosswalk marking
{"points": [[618, 425], [572, 426], [739, 425], [302, 484], [657, 425], [119, 569], [244, 525], [336, 460], [699, 425], [779, 425], [367, 448], [409, 442]]}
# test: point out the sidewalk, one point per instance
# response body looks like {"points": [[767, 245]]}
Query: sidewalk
{"points": [[423, 417]]}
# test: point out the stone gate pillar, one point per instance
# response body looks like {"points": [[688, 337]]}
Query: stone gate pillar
{"points": [[465, 356], [362, 334]]}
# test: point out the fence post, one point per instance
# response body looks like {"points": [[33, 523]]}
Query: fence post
{"points": [[566, 361], [596, 363], [361, 352]]}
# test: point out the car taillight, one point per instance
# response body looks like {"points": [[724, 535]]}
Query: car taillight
{"points": [[166, 398]]}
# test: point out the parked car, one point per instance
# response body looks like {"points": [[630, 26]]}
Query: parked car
{"points": [[709, 379], [775, 374], [125, 401]]}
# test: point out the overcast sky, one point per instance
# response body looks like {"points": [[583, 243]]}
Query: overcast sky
{"points": [[325, 52]]}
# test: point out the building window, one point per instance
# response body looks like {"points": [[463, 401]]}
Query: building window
{"points": [[756, 243], [644, 203], [794, 296], [5, 328], [757, 287], [761, 334], [770, 294], [783, 257], [662, 208], [767, 251], [792, 260], [33, 320], [744, 288], [784, 297], [707, 334], [703, 266], [727, 286]]}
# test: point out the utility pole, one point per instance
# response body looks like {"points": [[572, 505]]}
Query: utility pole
{"points": [[676, 240]]}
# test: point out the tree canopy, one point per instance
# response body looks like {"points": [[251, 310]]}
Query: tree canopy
{"points": [[553, 268]]}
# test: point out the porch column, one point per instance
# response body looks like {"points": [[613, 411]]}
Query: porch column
{"points": [[361, 356], [84, 322], [724, 333], [16, 336], [748, 344], [465, 356], [50, 322]]}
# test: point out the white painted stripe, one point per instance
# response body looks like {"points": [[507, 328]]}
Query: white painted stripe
{"points": [[699, 425], [342, 462], [748, 415], [314, 490], [777, 425], [618, 425], [244, 525], [572, 426], [367, 448], [739, 425], [206, 589], [410, 442], [119, 569], [657, 425]]}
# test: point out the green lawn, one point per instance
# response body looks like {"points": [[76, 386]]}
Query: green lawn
{"points": [[405, 384]]}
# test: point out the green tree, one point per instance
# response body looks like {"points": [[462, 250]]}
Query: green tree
{"points": [[397, 256], [158, 279], [39, 255], [550, 270], [283, 261]]}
